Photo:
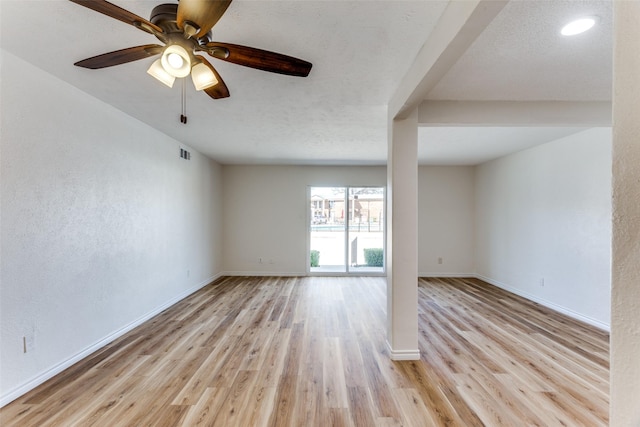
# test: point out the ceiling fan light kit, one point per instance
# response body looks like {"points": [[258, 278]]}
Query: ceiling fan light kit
{"points": [[203, 77], [175, 61], [157, 70], [185, 29]]}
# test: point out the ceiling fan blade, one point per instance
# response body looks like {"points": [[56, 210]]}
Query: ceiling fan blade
{"points": [[120, 14], [120, 56], [259, 59], [203, 13], [218, 91]]}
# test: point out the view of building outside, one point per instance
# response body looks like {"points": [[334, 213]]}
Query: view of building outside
{"points": [[347, 233]]}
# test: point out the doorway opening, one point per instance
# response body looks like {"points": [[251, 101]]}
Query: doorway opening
{"points": [[346, 230]]}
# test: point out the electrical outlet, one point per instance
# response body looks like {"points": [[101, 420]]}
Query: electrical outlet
{"points": [[28, 343], [440, 260], [542, 281], [259, 260]]}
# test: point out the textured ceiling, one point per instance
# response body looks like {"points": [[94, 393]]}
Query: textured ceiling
{"points": [[360, 51], [522, 56], [473, 145]]}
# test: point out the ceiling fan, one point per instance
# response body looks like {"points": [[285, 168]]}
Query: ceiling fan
{"points": [[185, 29]]}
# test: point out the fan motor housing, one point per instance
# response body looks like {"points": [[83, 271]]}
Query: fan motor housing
{"points": [[165, 17]]}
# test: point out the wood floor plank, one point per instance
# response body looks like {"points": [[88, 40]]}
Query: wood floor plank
{"points": [[273, 363], [333, 380], [534, 401], [93, 405], [441, 411], [413, 411], [383, 402], [308, 407], [232, 411], [360, 406], [259, 407], [286, 397], [205, 410], [205, 377], [352, 360], [311, 351]]}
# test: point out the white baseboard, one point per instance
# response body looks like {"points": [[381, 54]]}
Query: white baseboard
{"points": [[262, 273], [446, 275], [303, 274], [35, 381], [403, 354], [593, 322]]}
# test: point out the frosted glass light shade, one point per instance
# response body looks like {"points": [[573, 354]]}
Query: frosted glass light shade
{"points": [[175, 60], [157, 70], [203, 77]]}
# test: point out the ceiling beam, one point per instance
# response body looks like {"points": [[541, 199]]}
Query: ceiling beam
{"points": [[458, 27], [515, 113]]}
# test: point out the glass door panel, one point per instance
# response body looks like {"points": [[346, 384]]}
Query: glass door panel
{"points": [[327, 230], [366, 229]]}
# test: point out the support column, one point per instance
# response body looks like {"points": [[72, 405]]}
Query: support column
{"points": [[458, 27], [625, 279], [402, 239]]}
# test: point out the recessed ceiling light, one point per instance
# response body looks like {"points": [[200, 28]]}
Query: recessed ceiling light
{"points": [[579, 26]]}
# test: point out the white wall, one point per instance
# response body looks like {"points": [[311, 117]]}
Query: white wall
{"points": [[102, 225], [545, 213], [446, 213], [265, 213]]}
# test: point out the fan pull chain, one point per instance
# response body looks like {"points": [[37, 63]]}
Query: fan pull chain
{"points": [[183, 116]]}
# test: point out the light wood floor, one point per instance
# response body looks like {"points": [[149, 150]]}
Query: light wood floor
{"points": [[311, 352]]}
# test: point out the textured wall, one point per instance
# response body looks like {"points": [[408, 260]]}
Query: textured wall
{"points": [[266, 204], [446, 214], [265, 213], [625, 282], [545, 214], [102, 223]]}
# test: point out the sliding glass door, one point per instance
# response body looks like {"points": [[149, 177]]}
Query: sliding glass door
{"points": [[346, 230]]}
